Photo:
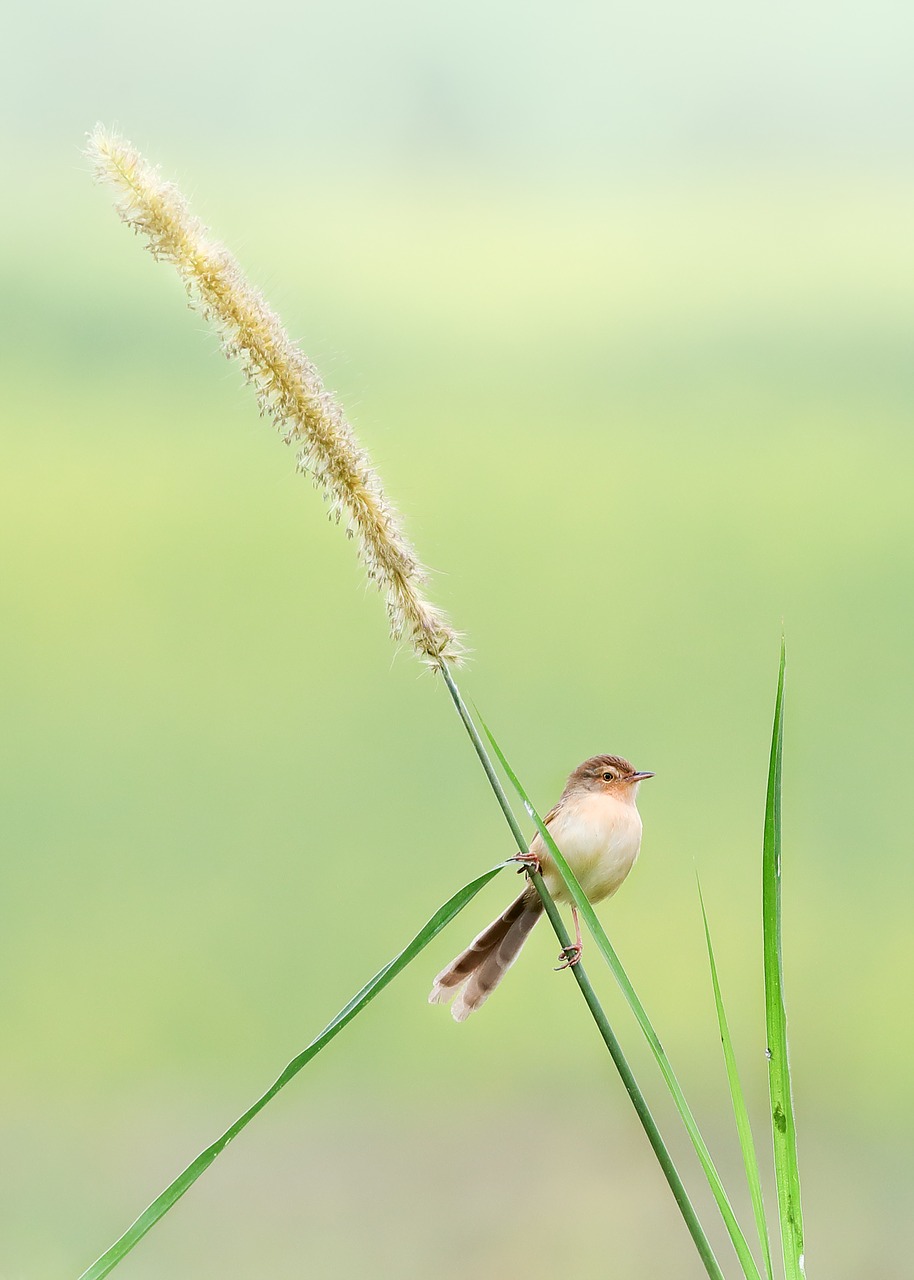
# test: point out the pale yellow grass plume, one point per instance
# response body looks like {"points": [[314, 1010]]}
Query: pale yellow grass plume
{"points": [[289, 389]]}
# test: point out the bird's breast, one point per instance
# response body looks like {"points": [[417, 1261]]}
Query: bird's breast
{"points": [[599, 837]]}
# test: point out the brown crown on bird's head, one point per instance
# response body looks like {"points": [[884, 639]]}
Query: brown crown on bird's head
{"points": [[605, 773]]}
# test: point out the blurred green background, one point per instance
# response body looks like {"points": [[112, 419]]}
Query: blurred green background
{"points": [[621, 300]]}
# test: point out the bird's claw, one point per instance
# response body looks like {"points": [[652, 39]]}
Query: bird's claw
{"points": [[529, 862], [569, 957]]}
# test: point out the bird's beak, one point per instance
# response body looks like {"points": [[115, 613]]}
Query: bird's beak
{"points": [[638, 777]]}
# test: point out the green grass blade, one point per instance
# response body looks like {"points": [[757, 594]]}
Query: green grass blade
{"points": [[740, 1113], [172, 1193], [783, 1129], [744, 1253]]}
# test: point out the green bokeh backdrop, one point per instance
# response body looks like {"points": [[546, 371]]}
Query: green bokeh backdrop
{"points": [[639, 418]]}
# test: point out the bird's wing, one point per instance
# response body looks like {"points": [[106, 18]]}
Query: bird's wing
{"points": [[538, 844], [553, 812]]}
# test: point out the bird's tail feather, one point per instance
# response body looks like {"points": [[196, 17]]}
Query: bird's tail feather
{"points": [[476, 972]]}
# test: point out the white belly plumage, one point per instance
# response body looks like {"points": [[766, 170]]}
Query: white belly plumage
{"points": [[600, 837]]}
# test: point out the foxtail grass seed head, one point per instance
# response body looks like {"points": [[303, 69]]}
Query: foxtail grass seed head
{"points": [[289, 389]]}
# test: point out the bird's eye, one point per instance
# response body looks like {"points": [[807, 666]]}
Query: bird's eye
{"points": [[609, 777]]}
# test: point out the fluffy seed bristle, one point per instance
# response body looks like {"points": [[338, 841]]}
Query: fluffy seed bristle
{"points": [[289, 389]]}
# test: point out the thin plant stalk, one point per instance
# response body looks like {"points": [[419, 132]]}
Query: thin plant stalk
{"points": [[740, 1244], [783, 1127], [598, 1014]]}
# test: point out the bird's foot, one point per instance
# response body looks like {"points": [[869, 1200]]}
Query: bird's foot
{"points": [[528, 862], [569, 956]]}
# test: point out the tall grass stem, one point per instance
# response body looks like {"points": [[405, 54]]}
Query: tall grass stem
{"points": [[680, 1195], [740, 1244]]}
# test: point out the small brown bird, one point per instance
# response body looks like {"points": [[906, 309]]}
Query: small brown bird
{"points": [[597, 826]]}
